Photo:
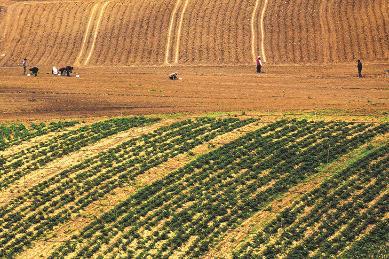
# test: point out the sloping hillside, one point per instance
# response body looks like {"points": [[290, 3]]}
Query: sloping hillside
{"points": [[303, 31], [181, 187], [45, 33], [193, 32], [132, 32]]}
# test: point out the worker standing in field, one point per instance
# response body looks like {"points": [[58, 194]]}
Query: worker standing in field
{"points": [[359, 66], [259, 65], [24, 65]]}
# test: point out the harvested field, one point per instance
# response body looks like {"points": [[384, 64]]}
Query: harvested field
{"points": [[326, 31], [132, 32], [193, 32], [205, 39], [44, 32]]}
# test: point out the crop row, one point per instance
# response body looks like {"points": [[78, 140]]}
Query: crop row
{"points": [[57, 199], [133, 32], [208, 32], [328, 219], [47, 25], [14, 134], [305, 31], [367, 41], [205, 37], [293, 31], [372, 245], [192, 208], [17, 165]]}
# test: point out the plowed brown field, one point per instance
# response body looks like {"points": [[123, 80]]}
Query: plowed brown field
{"points": [[124, 90], [193, 32], [317, 31], [217, 32], [44, 32]]}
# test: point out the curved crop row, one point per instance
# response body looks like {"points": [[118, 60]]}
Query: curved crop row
{"points": [[327, 220], [217, 32], [293, 31], [190, 210], [315, 31], [198, 32], [58, 199], [133, 32], [374, 244], [45, 33], [3, 11], [22, 163], [14, 134]]}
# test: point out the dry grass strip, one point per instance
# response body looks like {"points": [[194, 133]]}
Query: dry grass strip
{"points": [[235, 237], [64, 232], [55, 167]]}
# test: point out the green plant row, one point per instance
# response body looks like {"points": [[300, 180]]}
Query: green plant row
{"points": [[16, 133], [334, 214], [191, 209], [372, 245], [22, 163], [62, 197]]}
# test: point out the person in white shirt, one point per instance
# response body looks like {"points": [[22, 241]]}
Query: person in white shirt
{"points": [[54, 71]]}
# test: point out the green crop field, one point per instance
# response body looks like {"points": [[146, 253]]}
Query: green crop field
{"points": [[215, 186]]}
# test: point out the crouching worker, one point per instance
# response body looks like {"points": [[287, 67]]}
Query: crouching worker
{"points": [[173, 76], [34, 71], [66, 70]]}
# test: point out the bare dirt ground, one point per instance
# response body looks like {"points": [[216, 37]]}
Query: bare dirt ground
{"points": [[115, 91]]}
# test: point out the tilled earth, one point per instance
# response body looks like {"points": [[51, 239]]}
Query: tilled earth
{"points": [[113, 91]]}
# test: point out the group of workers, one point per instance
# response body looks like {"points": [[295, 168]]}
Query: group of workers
{"points": [[174, 76], [63, 71], [359, 66], [34, 70]]}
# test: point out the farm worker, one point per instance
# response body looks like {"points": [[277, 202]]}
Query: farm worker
{"points": [[24, 65], [259, 65], [359, 66], [173, 76], [54, 71], [69, 70], [66, 70], [34, 71]]}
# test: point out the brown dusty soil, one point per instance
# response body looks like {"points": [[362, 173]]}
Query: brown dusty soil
{"points": [[201, 32], [115, 91]]}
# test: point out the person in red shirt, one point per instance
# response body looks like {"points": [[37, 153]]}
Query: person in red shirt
{"points": [[259, 65]]}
